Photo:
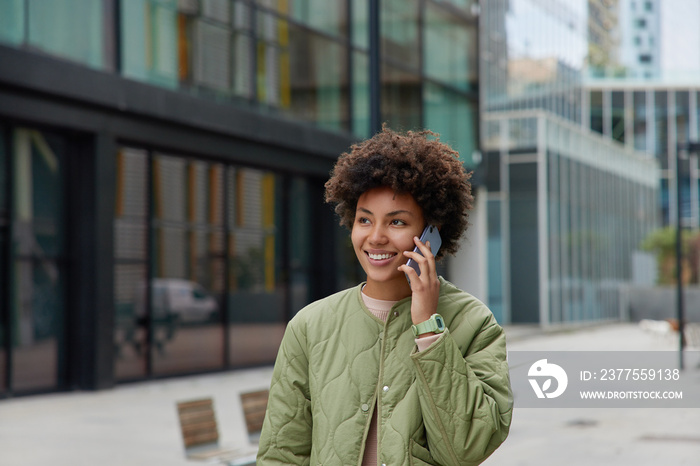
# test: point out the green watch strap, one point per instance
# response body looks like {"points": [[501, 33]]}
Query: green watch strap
{"points": [[434, 324]]}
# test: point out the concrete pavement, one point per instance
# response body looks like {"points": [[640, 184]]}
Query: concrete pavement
{"points": [[136, 424]]}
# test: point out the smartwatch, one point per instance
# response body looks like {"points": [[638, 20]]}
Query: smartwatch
{"points": [[435, 324]]}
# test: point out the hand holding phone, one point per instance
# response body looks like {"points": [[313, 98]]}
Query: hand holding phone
{"points": [[431, 234]]}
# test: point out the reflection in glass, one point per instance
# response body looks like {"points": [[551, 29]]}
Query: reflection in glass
{"points": [[541, 48], [451, 115], [401, 98], [399, 32], [55, 28], [360, 94], [316, 79], [12, 22], [360, 23], [495, 264], [597, 111], [256, 289], [300, 244], [4, 238], [661, 127], [639, 110], [449, 48], [130, 264], [149, 41], [186, 292], [329, 17], [618, 123], [38, 248]]}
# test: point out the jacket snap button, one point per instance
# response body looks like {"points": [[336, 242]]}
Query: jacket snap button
{"points": [[364, 407], [396, 313], [386, 388]]}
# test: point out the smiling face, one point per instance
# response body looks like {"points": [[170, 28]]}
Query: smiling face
{"points": [[384, 227]]}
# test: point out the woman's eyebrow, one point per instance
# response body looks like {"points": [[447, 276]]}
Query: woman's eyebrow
{"points": [[399, 212], [393, 213]]}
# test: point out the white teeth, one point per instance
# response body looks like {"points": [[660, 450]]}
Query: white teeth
{"points": [[378, 257]]}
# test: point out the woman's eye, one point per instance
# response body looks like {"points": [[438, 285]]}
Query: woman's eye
{"points": [[363, 220], [398, 222]]}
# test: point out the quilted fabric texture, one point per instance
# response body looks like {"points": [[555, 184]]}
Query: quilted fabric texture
{"points": [[448, 405]]}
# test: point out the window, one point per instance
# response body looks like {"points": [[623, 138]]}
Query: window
{"points": [[55, 28], [34, 298], [208, 267]]}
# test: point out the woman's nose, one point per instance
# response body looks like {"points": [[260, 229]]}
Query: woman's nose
{"points": [[378, 235]]}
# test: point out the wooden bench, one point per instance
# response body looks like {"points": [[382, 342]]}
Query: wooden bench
{"points": [[254, 407], [200, 432]]}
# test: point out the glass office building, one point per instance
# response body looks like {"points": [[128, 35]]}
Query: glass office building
{"points": [[566, 206], [162, 166], [566, 211], [654, 119]]}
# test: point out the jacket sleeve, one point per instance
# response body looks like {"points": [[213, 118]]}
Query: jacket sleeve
{"points": [[286, 432], [466, 400]]}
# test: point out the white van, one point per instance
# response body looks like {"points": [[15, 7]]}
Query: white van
{"points": [[185, 300]]}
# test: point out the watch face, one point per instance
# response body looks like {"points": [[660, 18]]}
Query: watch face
{"points": [[440, 323]]}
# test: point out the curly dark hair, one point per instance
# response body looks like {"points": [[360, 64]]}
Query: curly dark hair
{"points": [[427, 169]]}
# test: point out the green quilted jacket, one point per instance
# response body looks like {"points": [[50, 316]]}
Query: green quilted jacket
{"points": [[448, 405]]}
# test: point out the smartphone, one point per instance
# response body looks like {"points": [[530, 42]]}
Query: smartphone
{"points": [[431, 234]]}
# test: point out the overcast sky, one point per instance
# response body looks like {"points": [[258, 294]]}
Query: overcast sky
{"points": [[680, 35]]}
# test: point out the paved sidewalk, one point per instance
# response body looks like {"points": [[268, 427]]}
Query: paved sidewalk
{"points": [[601, 437], [136, 424]]}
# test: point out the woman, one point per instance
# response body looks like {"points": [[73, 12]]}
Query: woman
{"points": [[369, 375]]}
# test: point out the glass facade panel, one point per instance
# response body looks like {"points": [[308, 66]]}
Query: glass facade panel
{"points": [[401, 98], [55, 28], [187, 289], [37, 300], [449, 49], [227, 252], [329, 17], [131, 264], [682, 116], [318, 79], [300, 248], [149, 41], [495, 263], [360, 23], [400, 33], [453, 116], [466, 5], [360, 94], [256, 293], [539, 47], [236, 49], [4, 241], [599, 204], [243, 51], [600, 208], [618, 116], [522, 214], [12, 24], [661, 126], [596, 110], [639, 112]]}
